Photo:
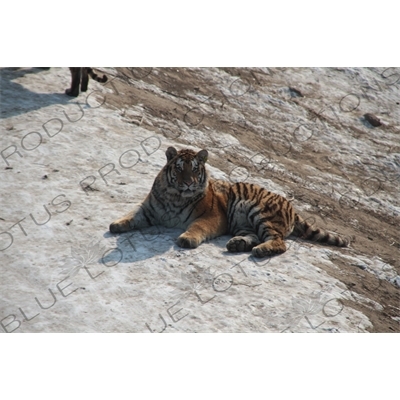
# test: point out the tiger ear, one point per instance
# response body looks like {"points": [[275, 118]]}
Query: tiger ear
{"points": [[202, 156], [171, 153]]}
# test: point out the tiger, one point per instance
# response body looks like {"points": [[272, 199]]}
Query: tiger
{"points": [[184, 196], [80, 76]]}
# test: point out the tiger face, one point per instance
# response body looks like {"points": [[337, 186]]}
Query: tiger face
{"points": [[186, 171]]}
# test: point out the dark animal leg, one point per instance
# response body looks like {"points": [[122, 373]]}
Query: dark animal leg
{"points": [[75, 81], [85, 79]]}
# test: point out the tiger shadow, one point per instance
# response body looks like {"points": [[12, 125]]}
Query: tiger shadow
{"points": [[141, 245], [154, 241], [151, 242]]}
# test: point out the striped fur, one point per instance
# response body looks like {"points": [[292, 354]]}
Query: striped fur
{"points": [[306, 230], [183, 196]]}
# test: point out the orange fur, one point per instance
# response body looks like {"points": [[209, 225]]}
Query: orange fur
{"points": [[183, 196]]}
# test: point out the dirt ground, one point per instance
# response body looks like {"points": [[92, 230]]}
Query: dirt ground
{"points": [[373, 230]]}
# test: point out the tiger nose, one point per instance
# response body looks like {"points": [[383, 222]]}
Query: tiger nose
{"points": [[188, 182]]}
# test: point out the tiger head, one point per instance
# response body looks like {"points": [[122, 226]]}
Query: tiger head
{"points": [[186, 171]]}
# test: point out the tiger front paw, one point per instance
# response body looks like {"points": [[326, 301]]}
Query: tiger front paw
{"points": [[120, 226], [187, 242]]}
